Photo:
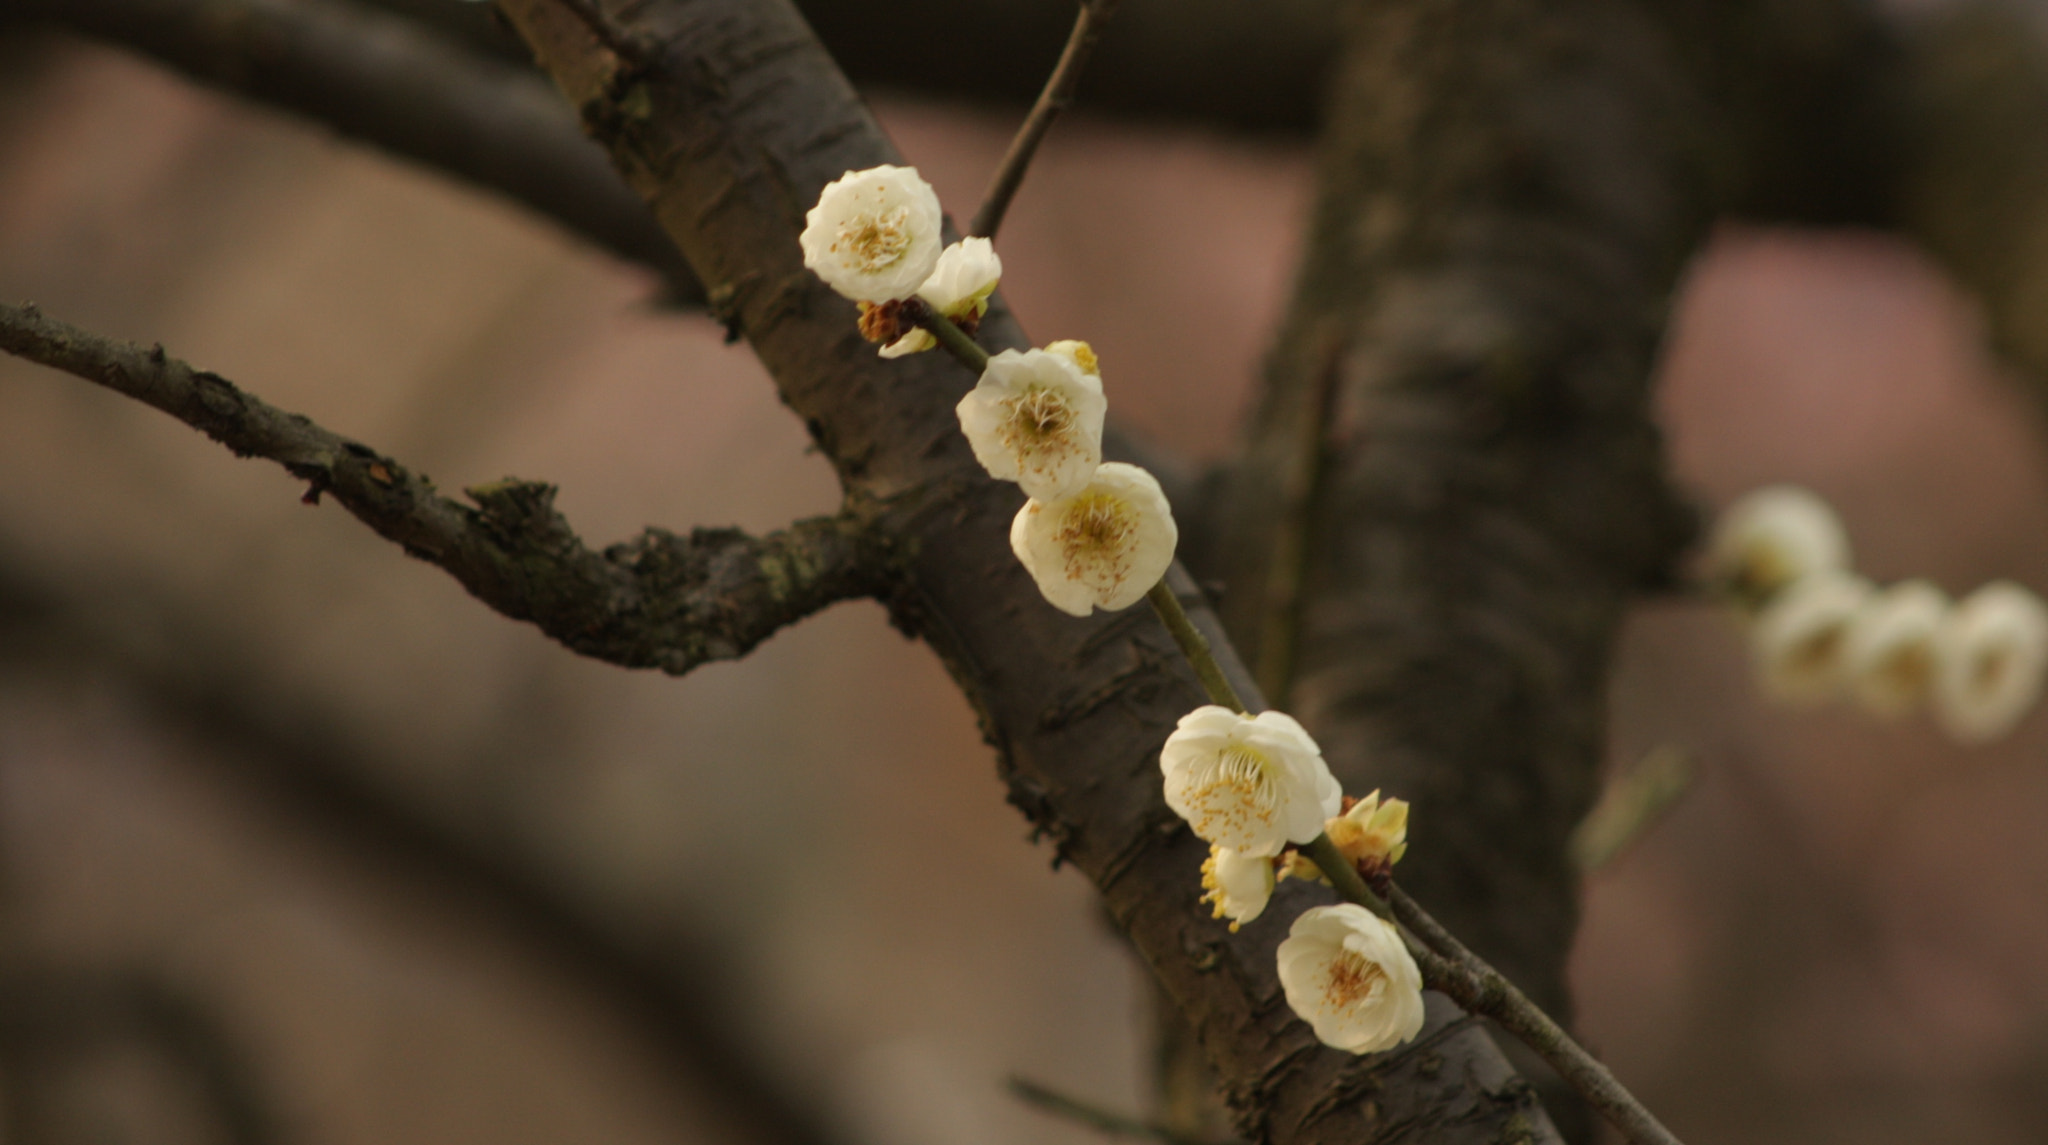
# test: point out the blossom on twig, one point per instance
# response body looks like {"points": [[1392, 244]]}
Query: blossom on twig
{"points": [[1035, 418], [1772, 538], [1888, 657], [1799, 639], [1249, 783], [959, 287], [1104, 546], [1372, 834], [1238, 884], [1989, 658], [1348, 975], [874, 235]]}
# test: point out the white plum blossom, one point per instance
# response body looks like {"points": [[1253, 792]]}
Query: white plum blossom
{"points": [[1078, 352], [1349, 976], [1238, 884], [1773, 537], [1250, 783], [874, 235], [1889, 655], [1800, 638], [1035, 418], [1104, 546], [959, 287], [1989, 658]]}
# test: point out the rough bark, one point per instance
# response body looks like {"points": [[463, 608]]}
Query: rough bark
{"points": [[1508, 189], [658, 601], [729, 117], [395, 84]]}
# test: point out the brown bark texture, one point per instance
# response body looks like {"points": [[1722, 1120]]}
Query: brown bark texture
{"points": [[730, 118], [1458, 420]]}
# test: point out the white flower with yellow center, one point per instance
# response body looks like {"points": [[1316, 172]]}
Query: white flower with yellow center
{"points": [[1239, 885], [1250, 783], [1371, 833], [1104, 546], [959, 287], [1078, 352], [1889, 654], [1771, 538], [1349, 976], [1989, 659], [1800, 638], [874, 235], [1036, 419]]}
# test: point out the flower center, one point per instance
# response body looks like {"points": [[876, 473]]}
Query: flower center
{"points": [[1353, 980], [1814, 655], [1095, 535], [1234, 788], [1905, 672], [876, 241], [1989, 672], [1035, 417]]}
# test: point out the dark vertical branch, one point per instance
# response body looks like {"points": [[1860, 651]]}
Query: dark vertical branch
{"points": [[1508, 190]]}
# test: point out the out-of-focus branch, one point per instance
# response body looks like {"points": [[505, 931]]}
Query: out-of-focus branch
{"points": [[314, 763], [659, 601], [50, 1016], [1975, 186], [395, 84], [1497, 230], [1212, 62]]}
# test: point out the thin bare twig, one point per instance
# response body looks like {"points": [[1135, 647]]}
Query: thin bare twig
{"points": [[1632, 803], [1470, 982], [1058, 93], [659, 601]]}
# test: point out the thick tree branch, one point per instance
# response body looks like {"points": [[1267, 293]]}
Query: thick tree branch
{"points": [[729, 117], [1498, 229], [394, 84], [659, 601]]}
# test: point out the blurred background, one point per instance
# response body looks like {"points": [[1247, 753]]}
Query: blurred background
{"points": [[287, 819]]}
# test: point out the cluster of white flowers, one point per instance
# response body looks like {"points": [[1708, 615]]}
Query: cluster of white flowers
{"points": [[1819, 631], [1096, 534]]}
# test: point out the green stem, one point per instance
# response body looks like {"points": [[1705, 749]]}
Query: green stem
{"points": [[1194, 646], [953, 338], [1344, 876]]}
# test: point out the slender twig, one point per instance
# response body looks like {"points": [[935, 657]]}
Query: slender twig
{"points": [[954, 340], [1280, 624], [1469, 981], [1194, 646], [660, 601], [1058, 93], [1061, 1105], [1634, 801]]}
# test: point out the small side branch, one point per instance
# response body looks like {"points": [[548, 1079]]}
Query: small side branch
{"points": [[659, 601], [1058, 93], [1115, 1124]]}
